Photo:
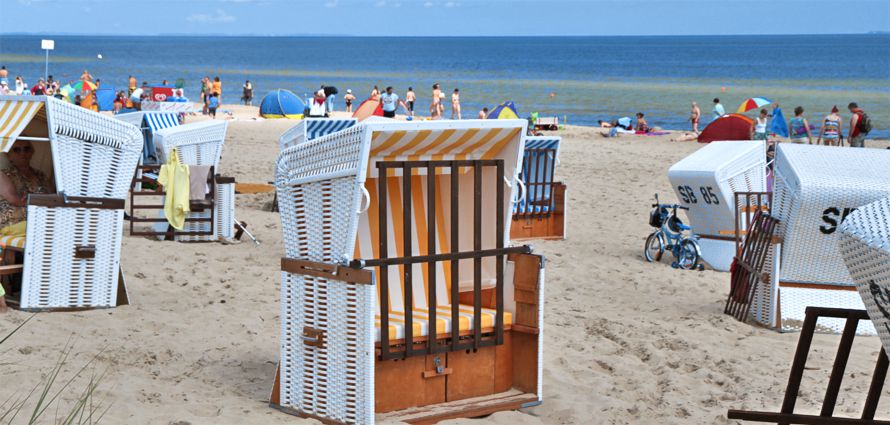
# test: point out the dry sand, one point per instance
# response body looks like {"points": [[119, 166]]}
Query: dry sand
{"points": [[626, 341]]}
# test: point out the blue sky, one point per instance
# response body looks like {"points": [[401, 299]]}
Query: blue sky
{"points": [[443, 17]]}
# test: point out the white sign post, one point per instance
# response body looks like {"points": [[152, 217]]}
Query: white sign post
{"points": [[47, 45]]}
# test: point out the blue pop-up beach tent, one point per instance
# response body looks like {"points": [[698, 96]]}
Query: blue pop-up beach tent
{"points": [[504, 111], [105, 98], [281, 104]]}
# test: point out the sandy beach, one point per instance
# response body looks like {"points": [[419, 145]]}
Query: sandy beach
{"points": [[626, 341]]}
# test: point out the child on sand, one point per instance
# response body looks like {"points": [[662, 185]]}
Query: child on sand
{"points": [[212, 104]]}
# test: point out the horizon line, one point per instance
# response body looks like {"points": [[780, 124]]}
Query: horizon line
{"points": [[220, 35]]}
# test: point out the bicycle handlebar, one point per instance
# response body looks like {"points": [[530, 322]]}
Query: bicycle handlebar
{"points": [[672, 206]]}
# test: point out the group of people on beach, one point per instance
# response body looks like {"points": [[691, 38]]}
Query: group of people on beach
{"points": [[390, 101], [798, 128]]}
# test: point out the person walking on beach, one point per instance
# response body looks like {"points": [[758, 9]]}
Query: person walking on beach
{"points": [[760, 125], [212, 105], [217, 87], [330, 92], [436, 108], [695, 116], [455, 103], [247, 93], [718, 109], [205, 92], [410, 97], [860, 126], [800, 128], [349, 98], [831, 129], [389, 101]]}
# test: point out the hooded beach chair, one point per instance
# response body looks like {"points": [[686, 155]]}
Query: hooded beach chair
{"points": [[73, 240], [707, 182], [816, 189], [401, 298], [313, 128], [149, 123], [541, 210], [863, 242], [197, 144]]}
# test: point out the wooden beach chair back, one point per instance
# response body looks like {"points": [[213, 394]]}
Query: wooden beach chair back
{"points": [[73, 237], [540, 211], [816, 189], [197, 144], [749, 266], [393, 233], [851, 320], [706, 181]]}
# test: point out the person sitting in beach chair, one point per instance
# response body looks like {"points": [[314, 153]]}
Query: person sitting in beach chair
{"points": [[18, 180]]}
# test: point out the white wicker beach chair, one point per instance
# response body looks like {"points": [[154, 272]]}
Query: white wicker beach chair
{"points": [[358, 244], [816, 188], [73, 241], [865, 246], [706, 181], [312, 128], [541, 210], [198, 143], [149, 123]]}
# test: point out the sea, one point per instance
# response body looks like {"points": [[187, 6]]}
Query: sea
{"points": [[579, 79]]}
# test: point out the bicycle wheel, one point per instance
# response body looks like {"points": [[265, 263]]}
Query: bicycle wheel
{"points": [[689, 254], [654, 247]]}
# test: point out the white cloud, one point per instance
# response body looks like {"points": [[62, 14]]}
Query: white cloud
{"points": [[381, 3], [452, 4], [428, 4], [330, 3], [218, 17]]}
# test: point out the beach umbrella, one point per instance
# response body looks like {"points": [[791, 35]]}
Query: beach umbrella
{"points": [[82, 85], [67, 91], [753, 103]]}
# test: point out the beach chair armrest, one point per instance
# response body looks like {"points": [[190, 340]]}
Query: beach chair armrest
{"points": [[327, 271], [61, 201]]}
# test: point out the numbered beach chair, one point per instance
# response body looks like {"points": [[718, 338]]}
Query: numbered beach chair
{"points": [[313, 128], [816, 188], [211, 219], [707, 182], [72, 245], [541, 210], [149, 123], [402, 299]]}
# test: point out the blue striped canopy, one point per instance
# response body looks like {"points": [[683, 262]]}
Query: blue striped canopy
{"points": [[316, 128], [158, 121], [538, 166]]}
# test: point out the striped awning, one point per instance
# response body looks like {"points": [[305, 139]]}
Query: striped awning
{"points": [[161, 121], [14, 117], [316, 128], [444, 144]]}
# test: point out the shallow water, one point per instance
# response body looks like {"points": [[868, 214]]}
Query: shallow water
{"points": [[590, 78]]}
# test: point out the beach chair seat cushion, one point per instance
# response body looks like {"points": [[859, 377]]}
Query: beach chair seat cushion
{"points": [[420, 321]]}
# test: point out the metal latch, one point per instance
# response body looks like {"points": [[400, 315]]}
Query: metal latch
{"points": [[313, 337], [438, 371]]}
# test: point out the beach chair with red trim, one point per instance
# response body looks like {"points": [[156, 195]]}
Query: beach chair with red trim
{"points": [[71, 249], [402, 298]]}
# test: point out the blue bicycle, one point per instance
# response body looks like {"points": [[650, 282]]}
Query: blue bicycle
{"points": [[671, 234]]}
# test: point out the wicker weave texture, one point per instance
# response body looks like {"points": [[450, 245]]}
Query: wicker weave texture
{"points": [[815, 187], [319, 190], [707, 180], [52, 277], [865, 246], [223, 219], [199, 143]]}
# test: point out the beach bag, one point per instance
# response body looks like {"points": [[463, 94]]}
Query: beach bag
{"points": [[864, 123], [656, 217]]}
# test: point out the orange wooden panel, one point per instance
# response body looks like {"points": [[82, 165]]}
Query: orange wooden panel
{"points": [[503, 365], [399, 384], [525, 361], [473, 373]]}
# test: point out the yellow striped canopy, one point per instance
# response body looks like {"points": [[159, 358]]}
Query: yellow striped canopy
{"points": [[14, 117], [434, 145]]}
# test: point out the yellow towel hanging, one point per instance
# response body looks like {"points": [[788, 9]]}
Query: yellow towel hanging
{"points": [[175, 178]]}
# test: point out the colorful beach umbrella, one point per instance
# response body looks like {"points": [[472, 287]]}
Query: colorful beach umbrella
{"points": [[82, 85], [753, 103]]}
